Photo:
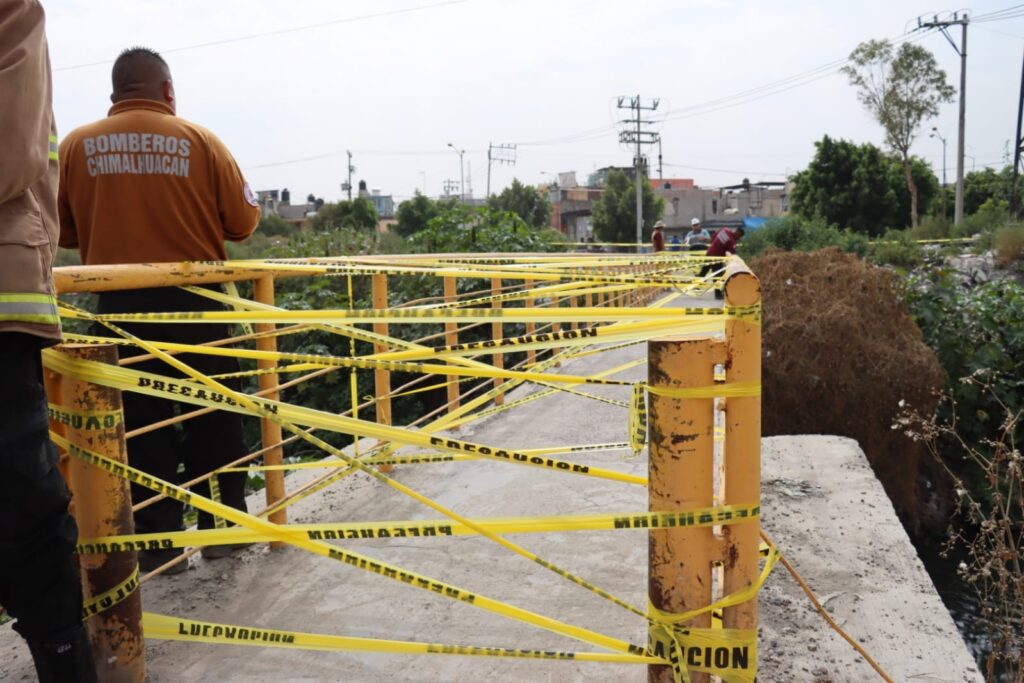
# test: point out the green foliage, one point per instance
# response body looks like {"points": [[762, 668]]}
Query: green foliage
{"points": [[793, 233], [273, 225], [524, 201], [415, 213], [990, 216], [614, 215], [860, 187], [1009, 245], [358, 214], [461, 228], [897, 248], [977, 332], [984, 185], [901, 90]]}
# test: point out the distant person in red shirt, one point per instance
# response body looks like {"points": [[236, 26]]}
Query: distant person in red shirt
{"points": [[722, 244], [658, 237]]}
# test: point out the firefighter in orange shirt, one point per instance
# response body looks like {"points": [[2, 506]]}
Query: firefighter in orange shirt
{"points": [[144, 186]]}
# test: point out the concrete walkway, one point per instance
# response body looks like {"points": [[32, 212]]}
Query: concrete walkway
{"points": [[821, 503]]}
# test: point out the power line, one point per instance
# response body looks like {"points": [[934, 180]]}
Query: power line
{"points": [[282, 31]]}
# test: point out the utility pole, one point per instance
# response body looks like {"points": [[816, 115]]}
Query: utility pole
{"points": [[962, 19], [462, 173], [936, 134], [450, 185], [1019, 143], [640, 136], [659, 158], [348, 184], [502, 154]]}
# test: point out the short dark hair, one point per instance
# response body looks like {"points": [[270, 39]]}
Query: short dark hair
{"points": [[123, 75]]}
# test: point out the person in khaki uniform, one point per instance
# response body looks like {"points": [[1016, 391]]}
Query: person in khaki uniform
{"points": [[39, 581], [144, 185]]}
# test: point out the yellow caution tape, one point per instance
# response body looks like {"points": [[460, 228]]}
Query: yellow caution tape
{"points": [[108, 599], [725, 390], [622, 521], [638, 419], [161, 627], [342, 555], [85, 420]]}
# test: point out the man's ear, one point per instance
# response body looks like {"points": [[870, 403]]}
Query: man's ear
{"points": [[168, 93]]}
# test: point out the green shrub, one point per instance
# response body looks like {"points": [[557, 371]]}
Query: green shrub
{"points": [[1009, 243], [897, 248], [989, 217], [792, 233], [932, 228]]}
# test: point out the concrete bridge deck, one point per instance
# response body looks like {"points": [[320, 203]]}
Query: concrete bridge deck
{"points": [[821, 503]]}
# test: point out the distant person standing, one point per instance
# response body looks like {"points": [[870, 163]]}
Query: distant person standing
{"points": [[674, 244], [723, 244], [658, 237], [39, 580], [144, 186], [697, 239]]}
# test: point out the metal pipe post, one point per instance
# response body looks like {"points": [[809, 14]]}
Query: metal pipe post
{"points": [[451, 336], [104, 508], [496, 333], [263, 292], [742, 451], [381, 377], [681, 476]]}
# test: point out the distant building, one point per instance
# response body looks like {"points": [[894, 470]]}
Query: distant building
{"points": [[274, 203]]}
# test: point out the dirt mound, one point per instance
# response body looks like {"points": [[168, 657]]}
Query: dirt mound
{"points": [[840, 355]]}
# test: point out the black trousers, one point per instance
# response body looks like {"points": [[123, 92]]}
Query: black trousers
{"points": [[200, 444], [39, 581]]}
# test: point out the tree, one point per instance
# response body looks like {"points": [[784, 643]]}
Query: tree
{"points": [[524, 201], [859, 187], [615, 212], [414, 214], [461, 228], [901, 91], [273, 225], [358, 213]]}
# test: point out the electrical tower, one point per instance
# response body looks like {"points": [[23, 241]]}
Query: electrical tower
{"points": [[636, 134], [502, 154], [450, 185], [347, 186], [943, 25]]}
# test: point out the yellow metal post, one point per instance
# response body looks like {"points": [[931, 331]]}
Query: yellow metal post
{"points": [[531, 355], [497, 333], [451, 336], [104, 508], [742, 441], [381, 377], [263, 292], [680, 476]]}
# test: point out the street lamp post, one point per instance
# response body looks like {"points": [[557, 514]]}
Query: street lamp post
{"points": [[462, 177], [936, 134]]}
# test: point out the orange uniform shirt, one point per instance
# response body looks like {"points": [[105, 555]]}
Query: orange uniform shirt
{"points": [[145, 186]]}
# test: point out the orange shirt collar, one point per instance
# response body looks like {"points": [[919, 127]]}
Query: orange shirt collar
{"points": [[152, 105]]}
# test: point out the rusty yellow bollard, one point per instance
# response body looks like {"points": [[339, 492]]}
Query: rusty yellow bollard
{"points": [[531, 355], [742, 441], [263, 292], [451, 337], [103, 507], [381, 377], [680, 476], [497, 330]]}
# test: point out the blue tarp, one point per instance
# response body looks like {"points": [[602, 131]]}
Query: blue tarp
{"points": [[753, 222]]}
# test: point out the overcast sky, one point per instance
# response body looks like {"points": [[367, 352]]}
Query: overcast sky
{"points": [[396, 80]]}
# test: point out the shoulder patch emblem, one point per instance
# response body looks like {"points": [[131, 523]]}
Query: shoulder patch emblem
{"points": [[249, 195]]}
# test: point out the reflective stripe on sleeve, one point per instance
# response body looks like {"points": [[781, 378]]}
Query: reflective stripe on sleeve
{"points": [[29, 308], [53, 148]]}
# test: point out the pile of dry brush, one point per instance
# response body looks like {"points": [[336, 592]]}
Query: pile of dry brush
{"points": [[842, 356]]}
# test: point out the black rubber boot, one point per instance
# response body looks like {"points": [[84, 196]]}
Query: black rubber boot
{"points": [[64, 658]]}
